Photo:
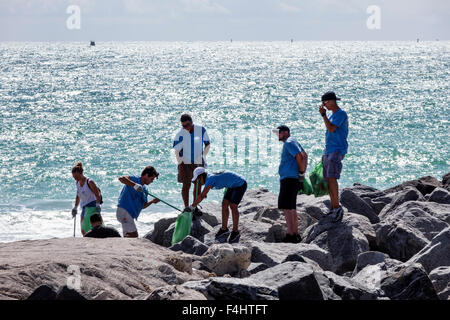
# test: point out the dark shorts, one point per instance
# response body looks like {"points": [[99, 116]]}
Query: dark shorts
{"points": [[332, 165], [186, 172], [234, 195], [287, 199]]}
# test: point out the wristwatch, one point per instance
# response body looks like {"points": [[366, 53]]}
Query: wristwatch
{"points": [[324, 114]]}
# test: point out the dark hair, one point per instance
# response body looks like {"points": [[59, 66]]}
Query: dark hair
{"points": [[150, 171], [185, 117], [203, 175], [95, 218], [78, 167]]}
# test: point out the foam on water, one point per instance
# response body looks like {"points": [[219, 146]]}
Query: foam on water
{"points": [[116, 107]]}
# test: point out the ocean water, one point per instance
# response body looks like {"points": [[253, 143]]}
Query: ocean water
{"points": [[116, 108]]}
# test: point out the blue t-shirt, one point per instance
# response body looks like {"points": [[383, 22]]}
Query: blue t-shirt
{"points": [[132, 200], [226, 179], [288, 166], [337, 140]]}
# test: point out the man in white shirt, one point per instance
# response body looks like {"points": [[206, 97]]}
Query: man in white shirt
{"points": [[188, 147]]}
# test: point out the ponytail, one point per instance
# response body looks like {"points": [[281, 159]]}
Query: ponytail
{"points": [[78, 167]]}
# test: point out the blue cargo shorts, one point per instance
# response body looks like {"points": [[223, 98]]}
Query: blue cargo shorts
{"points": [[332, 165]]}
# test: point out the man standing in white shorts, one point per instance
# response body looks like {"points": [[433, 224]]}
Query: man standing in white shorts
{"points": [[133, 199]]}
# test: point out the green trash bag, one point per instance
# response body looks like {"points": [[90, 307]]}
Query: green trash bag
{"points": [[86, 225], [182, 227], [320, 187], [306, 188]]}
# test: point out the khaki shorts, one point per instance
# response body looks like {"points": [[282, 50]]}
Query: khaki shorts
{"points": [[186, 172], [127, 221]]}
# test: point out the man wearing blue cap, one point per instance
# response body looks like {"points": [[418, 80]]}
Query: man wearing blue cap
{"points": [[335, 149]]}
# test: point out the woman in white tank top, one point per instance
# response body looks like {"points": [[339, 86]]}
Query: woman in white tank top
{"points": [[88, 194]]}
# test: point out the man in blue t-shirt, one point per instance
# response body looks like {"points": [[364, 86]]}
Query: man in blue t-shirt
{"points": [[335, 149], [294, 161], [133, 199], [236, 187]]}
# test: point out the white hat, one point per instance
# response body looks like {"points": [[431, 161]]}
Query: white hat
{"points": [[198, 171]]}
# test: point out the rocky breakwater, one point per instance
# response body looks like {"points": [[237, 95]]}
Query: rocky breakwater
{"points": [[391, 244]]}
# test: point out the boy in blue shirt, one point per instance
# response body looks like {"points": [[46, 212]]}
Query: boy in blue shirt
{"points": [[236, 187], [335, 149], [133, 199], [294, 161]]}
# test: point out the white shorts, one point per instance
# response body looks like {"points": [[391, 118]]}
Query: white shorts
{"points": [[126, 220]]}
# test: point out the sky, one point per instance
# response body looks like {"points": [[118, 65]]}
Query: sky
{"points": [[222, 20]]}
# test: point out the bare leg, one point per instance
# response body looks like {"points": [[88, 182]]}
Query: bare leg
{"points": [[294, 221], [185, 193], [333, 188], [235, 213], [225, 213], [287, 216]]}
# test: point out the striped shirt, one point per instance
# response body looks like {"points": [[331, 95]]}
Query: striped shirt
{"points": [[190, 145]]}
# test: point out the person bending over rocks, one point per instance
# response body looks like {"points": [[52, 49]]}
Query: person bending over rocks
{"points": [[236, 187], [133, 199]]}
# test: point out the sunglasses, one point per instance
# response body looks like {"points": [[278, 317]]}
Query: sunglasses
{"points": [[186, 125]]}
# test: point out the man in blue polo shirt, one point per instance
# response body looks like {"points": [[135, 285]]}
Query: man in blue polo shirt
{"points": [[236, 187], [294, 161], [335, 149], [133, 199]]}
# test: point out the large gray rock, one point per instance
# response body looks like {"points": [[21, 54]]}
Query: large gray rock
{"points": [[233, 289], [157, 234], [250, 230], [344, 243], [440, 277], [226, 258], [112, 268], [446, 181], [410, 227], [398, 281], [370, 258], [436, 253], [175, 292], [212, 213], [255, 200], [292, 280], [355, 204], [425, 185], [190, 245], [349, 289], [315, 208], [272, 254], [440, 195], [408, 282], [405, 195]]}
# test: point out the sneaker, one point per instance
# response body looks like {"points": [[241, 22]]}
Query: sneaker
{"points": [[339, 214], [296, 238], [233, 236], [288, 238], [221, 232]]}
